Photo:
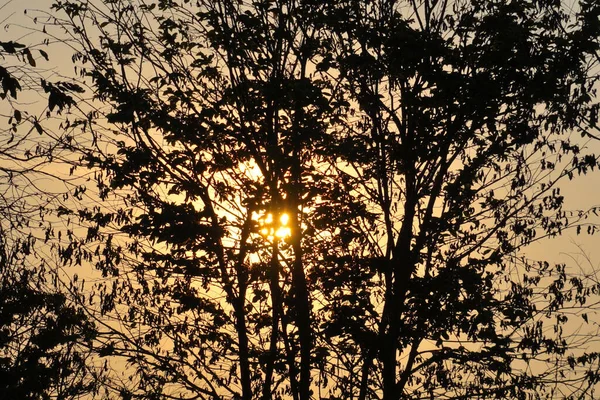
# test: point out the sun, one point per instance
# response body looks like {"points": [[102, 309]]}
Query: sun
{"points": [[284, 230], [271, 229]]}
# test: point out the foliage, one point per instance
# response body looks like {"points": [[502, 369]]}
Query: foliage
{"points": [[416, 149], [45, 338]]}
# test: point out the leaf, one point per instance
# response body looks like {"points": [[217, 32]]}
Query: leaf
{"points": [[29, 56], [44, 54], [9, 83], [107, 350], [38, 127], [17, 115], [61, 210], [11, 47]]}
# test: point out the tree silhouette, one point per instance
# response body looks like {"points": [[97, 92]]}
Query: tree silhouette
{"points": [[331, 199], [45, 337]]}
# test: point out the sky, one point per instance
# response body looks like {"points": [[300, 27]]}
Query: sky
{"points": [[581, 193], [17, 20]]}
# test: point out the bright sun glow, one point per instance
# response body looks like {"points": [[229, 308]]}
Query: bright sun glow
{"points": [[284, 219], [269, 228], [269, 219], [283, 232]]}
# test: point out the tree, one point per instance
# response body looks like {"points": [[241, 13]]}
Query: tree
{"points": [[330, 199], [45, 337]]}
